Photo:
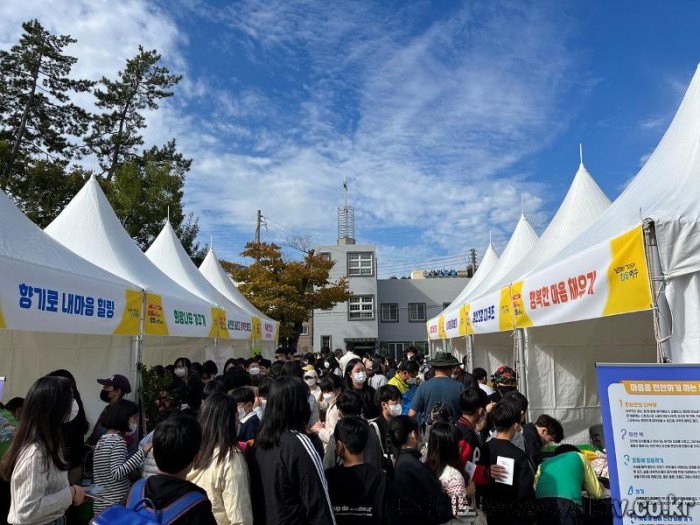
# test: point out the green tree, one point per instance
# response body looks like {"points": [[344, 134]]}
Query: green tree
{"points": [[288, 291], [115, 134], [37, 117], [146, 190]]}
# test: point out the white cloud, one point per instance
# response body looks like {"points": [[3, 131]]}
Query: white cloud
{"points": [[426, 120]]}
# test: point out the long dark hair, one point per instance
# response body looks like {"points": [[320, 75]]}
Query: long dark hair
{"points": [[80, 422], [287, 409], [46, 406], [443, 448], [218, 420]]}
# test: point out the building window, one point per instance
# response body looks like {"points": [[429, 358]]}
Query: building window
{"points": [[304, 329], [416, 312], [326, 341], [325, 255], [361, 307], [361, 263], [390, 312]]}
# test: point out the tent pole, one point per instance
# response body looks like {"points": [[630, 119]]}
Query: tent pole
{"points": [[470, 352], [660, 307], [137, 357]]}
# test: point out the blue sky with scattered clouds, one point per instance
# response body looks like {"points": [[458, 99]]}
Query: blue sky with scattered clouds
{"points": [[444, 116]]}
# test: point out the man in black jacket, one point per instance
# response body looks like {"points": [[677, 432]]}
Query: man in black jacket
{"points": [[543, 432]]}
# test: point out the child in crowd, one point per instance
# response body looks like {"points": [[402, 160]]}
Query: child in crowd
{"points": [[111, 468], [509, 503], [247, 419], [176, 443], [358, 491]]}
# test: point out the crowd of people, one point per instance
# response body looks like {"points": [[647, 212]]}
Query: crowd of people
{"points": [[335, 438]]}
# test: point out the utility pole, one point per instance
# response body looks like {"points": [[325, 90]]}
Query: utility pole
{"points": [[257, 227]]}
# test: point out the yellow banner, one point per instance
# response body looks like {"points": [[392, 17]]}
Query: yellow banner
{"points": [[628, 275], [256, 329], [442, 334], [131, 317], [155, 323], [465, 320], [505, 311], [662, 387], [522, 320], [2, 319], [219, 324]]}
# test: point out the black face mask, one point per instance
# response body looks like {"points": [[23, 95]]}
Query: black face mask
{"points": [[104, 396]]}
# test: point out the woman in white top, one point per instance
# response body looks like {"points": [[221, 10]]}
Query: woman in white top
{"points": [[444, 462], [331, 387], [220, 467], [35, 463]]}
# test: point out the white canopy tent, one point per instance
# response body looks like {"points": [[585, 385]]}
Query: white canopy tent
{"points": [[212, 270], [58, 310], [236, 325], [89, 227]]}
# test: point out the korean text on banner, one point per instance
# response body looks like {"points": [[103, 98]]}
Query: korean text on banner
{"points": [[651, 420], [48, 300], [608, 279]]}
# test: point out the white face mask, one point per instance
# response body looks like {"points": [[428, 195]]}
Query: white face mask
{"points": [[411, 381], [310, 382], [326, 364], [254, 371], [241, 413], [180, 372], [328, 396], [360, 377], [395, 410], [133, 427], [263, 402], [74, 409]]}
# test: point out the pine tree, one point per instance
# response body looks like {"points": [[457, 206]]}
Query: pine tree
{"points": [[37, 117], [115, 133]]}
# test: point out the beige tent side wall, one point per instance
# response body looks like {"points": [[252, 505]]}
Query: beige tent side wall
{"points": [[561, 360], [26, 356], [164, 350], [493, 350]]}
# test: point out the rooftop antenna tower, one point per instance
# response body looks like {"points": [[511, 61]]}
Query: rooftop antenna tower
{"points": [[346, 219]]}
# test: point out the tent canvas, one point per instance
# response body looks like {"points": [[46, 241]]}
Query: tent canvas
{"points": [[47, 288], [167, 253], [89, 227], [212, 270]]}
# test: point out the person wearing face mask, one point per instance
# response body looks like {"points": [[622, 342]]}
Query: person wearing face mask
{"points": [[389, 400], [111, 468], [74, 432], [113, 389], [356, 381], [420, 498], [504, 380], [311, 378], [473, 452], [261, 399], [248, 421], [39, 488], [331, 388], [506, 504], [187, 383]]}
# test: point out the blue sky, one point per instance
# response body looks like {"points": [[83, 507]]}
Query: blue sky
{"points": [[444, 116]]}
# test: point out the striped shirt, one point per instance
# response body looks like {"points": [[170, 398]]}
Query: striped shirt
{"points": [[111, 470]]}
